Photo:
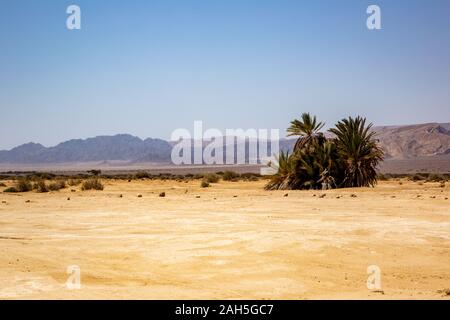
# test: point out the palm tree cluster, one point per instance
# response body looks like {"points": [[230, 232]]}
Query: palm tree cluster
{"points": [[348, 159]]}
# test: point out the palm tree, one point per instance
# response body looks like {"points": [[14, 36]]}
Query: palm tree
{"points": [[308, 130], [358, 151], [285, 172]]}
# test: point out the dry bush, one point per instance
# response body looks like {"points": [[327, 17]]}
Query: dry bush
{"points": [[57, 185], [23, 185], [230, 176], [204, 184], [435, 177], [211, 178], [40, 186], [73, 182], [92, 184], [11, 190]]}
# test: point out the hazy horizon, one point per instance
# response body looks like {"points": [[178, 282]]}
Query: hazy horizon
{"points": [[147, 68]]}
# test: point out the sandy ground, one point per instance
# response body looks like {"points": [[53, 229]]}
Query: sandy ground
{"points": [[230, 241]]}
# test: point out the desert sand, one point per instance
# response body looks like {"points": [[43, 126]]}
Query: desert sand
{"points": [[230, 241]]}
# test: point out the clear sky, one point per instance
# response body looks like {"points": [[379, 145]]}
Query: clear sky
{"points": [[149, 67]]}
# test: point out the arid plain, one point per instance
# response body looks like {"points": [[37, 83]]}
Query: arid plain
{"points": [[232, 240]]}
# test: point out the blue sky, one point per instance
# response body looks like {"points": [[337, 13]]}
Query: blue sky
{"points": [[149, 67]]}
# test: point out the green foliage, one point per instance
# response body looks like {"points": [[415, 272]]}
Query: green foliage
{"points": [[347, 160], [11, 190]]}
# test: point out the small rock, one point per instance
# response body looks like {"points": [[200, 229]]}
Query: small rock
{"points": [[120, 196], [392, 196], [287, 194], [28, 201], [73, 190], [139, 195], [338, 197], [162, 194], [197, 197], [68, 199], [432, 197], [323, 195], [4, 202], [353, 195], [234, 196]]}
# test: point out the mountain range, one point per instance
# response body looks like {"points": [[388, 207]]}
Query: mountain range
{"points": [[398, 142]]}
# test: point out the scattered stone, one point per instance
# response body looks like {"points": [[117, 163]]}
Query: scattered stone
{"points": [[139, 195], [418, 196], [446, 198], [392, 196], [197, 197], [73, 190], [129, 180], [323, 195], [287, 194], [120, 196], [162, 194], [432, 197], [314, 195], [68, 199], [28, 201], [353, 195], [338, 197], [4, 202]]}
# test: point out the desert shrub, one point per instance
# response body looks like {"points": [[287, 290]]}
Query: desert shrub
{"points": [[382, 177], [23, 185], [92, 184], [36, 176], [250, 176], [73, 182], [142, 175], [40, 186], [417, 177], [230, 176], [211, 178], [435, 177], [198, 176], [11, 190], [57, 185], [95, 172], [204, 184]]}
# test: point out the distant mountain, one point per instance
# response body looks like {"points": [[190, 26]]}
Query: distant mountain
{"points": [[398, 142], [412, 141], [118, 147]]}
